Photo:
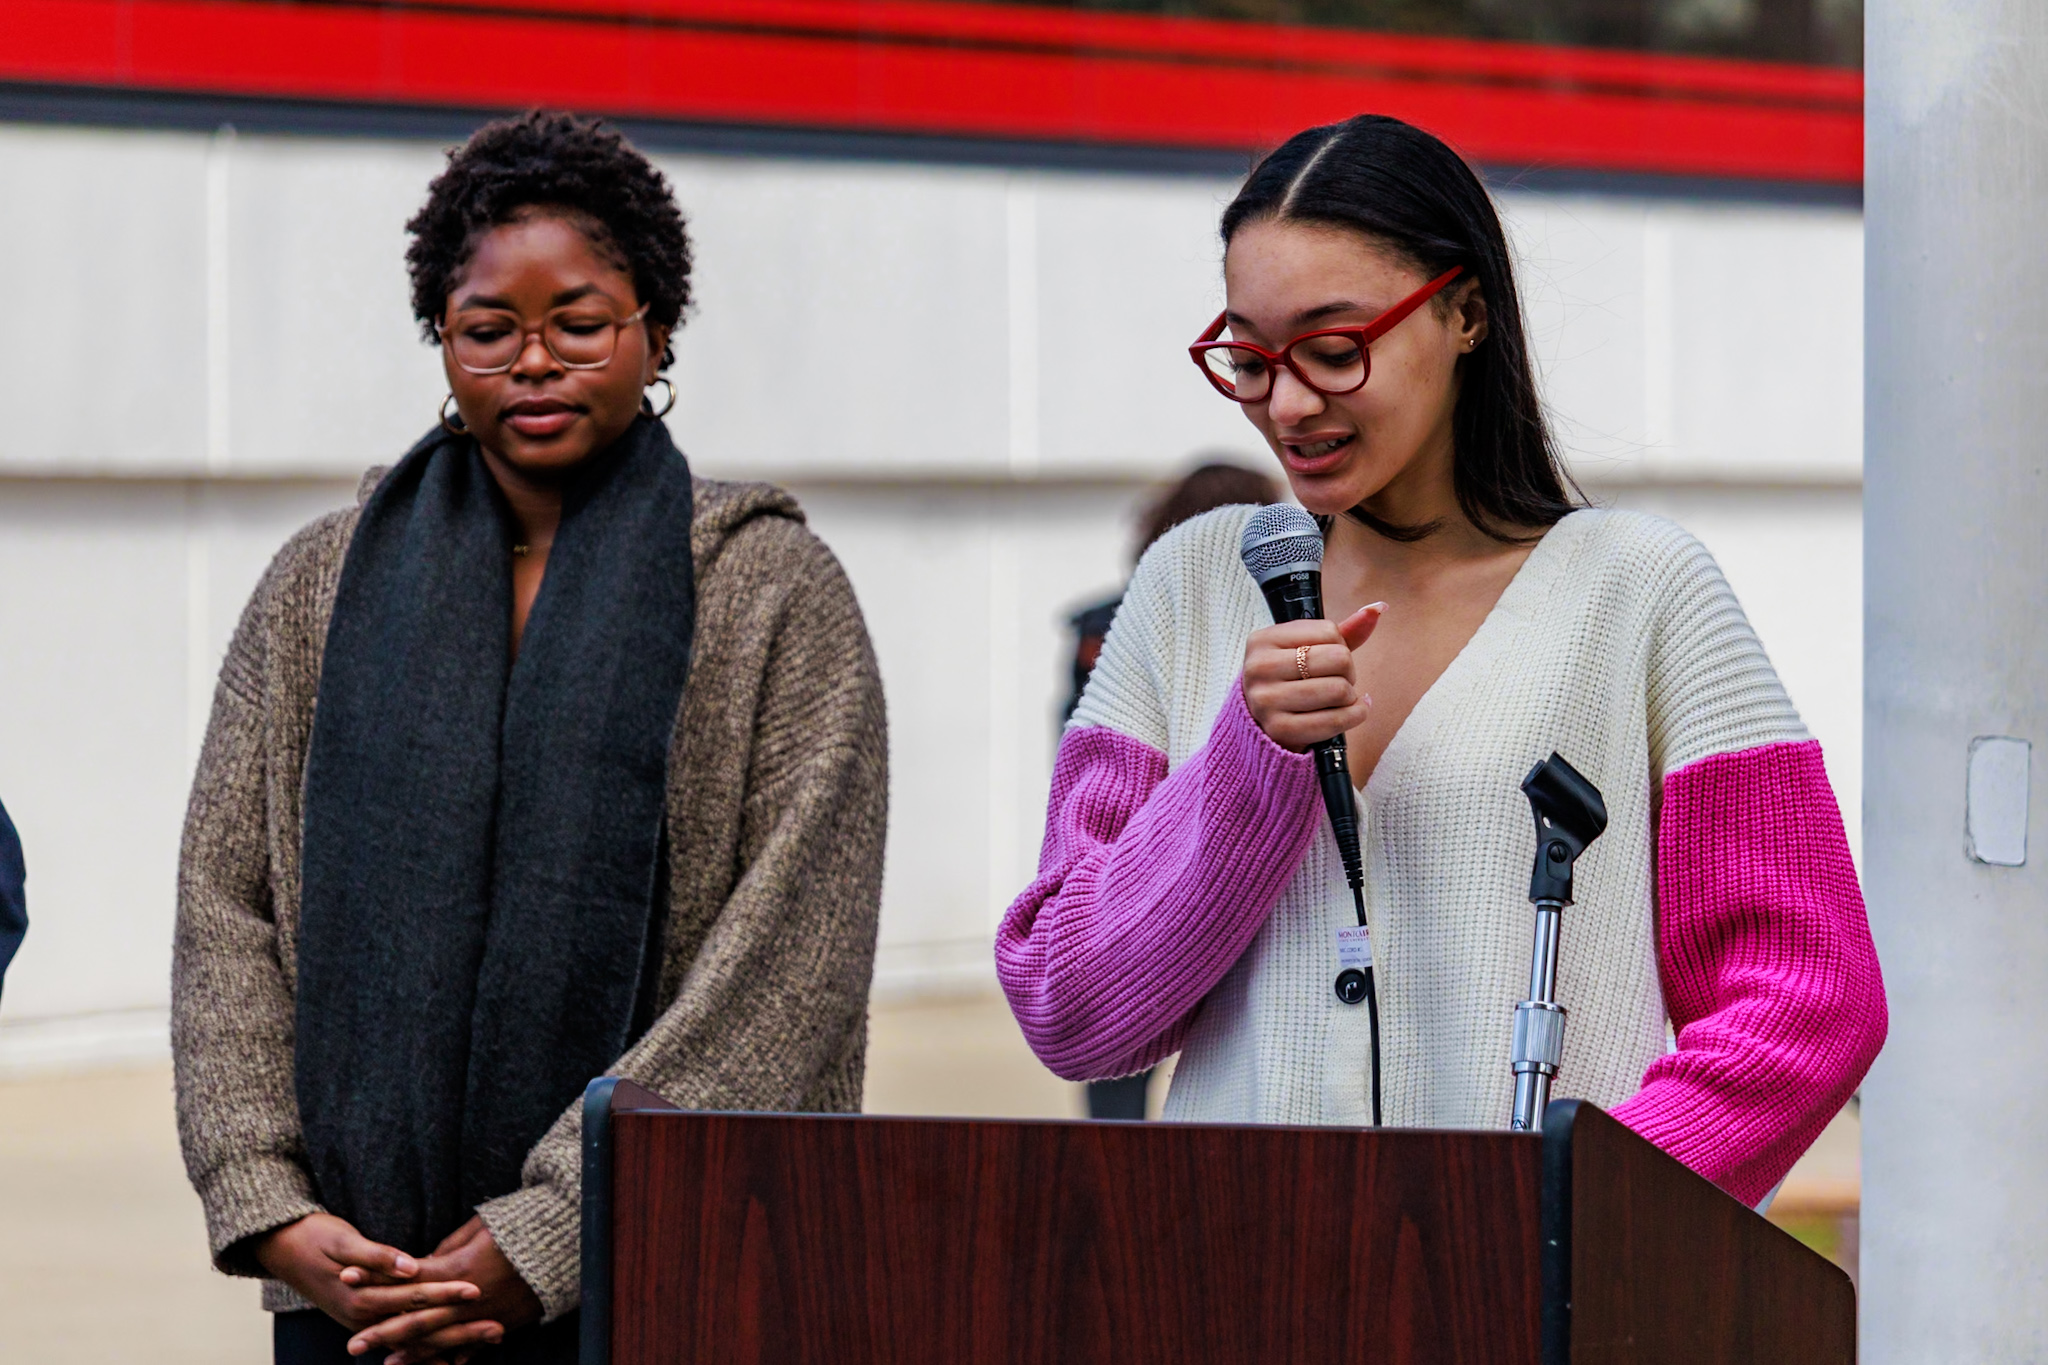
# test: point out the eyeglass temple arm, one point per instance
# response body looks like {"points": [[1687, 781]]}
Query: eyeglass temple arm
{"points": [[1385, 322], [1375, 329]]}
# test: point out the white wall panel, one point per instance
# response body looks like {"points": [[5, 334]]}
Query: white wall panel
{"points": [[329, 373], [1696, 341], [850, 318], [1767, 341], [1129, 271], [103, 352], [118, 601], [857, 319], [92, 734]]}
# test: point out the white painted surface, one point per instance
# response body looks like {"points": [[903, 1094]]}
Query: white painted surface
{"points": [[859, 319], [971, 378], [1955, 1193], [102, 704]]}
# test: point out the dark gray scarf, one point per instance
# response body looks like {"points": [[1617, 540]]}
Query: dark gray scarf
{"points": [[482, 902]]}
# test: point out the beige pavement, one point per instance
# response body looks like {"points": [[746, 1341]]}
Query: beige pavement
{"points": [[102, 1251]]}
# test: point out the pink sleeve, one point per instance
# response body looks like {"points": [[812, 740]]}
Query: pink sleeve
{"points": [[1769, 971], [1149, 887]]}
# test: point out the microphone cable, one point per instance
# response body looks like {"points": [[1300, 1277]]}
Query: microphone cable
{"points": [[1356, 980]]}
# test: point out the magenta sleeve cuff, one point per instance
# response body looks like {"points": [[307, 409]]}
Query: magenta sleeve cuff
{"points": [[1150, 886], [1768, 968]]}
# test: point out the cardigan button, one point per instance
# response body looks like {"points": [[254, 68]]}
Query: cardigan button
{"points": [[1351, 985]]}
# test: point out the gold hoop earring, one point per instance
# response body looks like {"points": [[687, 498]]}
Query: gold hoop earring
{"points": [[453, 421], [647, 406]]}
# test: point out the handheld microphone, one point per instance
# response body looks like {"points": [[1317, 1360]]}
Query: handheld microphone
{"points": [[1282, 549]]}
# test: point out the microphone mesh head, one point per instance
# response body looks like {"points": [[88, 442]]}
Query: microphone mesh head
{"points": [[1278, 540]]}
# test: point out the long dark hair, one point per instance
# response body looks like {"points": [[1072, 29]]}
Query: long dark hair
{"points": [[1405, 189]]}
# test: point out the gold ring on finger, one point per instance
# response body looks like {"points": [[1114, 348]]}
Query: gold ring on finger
{"points": [[1301, 661]]}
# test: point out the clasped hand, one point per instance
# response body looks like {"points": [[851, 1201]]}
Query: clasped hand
{"points": [[436, 1310], [1300, 684]]}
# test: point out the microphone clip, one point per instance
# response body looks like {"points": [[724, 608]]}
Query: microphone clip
{"points": [[1569, 816]]}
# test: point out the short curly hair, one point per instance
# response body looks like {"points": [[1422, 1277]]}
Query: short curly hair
{"points": [[548, 160]]}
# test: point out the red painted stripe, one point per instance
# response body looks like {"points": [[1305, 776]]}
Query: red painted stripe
{"points": [[1083, 33], [962, 69]]}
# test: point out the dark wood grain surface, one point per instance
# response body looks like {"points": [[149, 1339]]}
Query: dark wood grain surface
{"points": [[759, 1239], [1668, 1270]]}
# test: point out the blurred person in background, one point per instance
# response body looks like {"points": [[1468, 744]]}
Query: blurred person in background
{"points": [[13, 893], [1210, 485], [1189, 899], [595, 784]]}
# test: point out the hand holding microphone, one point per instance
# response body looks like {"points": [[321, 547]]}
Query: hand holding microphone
{"points": [[1299, 680], [1309, 712]]}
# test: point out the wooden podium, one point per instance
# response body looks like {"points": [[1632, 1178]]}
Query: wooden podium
{"points": [[785, 1239]]}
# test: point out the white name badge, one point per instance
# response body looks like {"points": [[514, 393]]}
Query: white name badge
{"points": [[1354, 948]]}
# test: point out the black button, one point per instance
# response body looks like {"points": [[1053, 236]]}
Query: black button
{"points": [[1351, 985]]}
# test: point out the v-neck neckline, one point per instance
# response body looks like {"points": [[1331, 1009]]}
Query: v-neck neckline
{"points": [[1515, 606]]}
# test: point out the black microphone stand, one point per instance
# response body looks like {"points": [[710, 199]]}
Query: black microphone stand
{"points": [[1569, 815]]}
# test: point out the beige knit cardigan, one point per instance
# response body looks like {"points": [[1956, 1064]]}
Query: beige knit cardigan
{"points": [[777, 796]]}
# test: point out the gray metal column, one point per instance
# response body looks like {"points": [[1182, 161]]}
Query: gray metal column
{"points": [[1955, 1115]]}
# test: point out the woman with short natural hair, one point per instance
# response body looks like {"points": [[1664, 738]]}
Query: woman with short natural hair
{"points": [[545, 761], [1189, 894]]}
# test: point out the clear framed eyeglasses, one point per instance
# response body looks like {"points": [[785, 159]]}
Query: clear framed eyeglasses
{"points": [[581, 336]]}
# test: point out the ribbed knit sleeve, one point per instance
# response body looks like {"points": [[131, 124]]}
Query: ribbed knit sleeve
{"points": [[1769, 973], [1768, 967], [232, 1020], [1710, 688], [1149, 887]]}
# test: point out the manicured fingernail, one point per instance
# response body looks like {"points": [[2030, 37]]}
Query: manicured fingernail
{"points": [[1371, 605]]}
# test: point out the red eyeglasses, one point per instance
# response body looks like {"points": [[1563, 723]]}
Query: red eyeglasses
{"points": [[1331, 361]]}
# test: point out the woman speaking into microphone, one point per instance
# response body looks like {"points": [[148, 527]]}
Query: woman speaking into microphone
{"points": [[1479, 617], [546, 761]]}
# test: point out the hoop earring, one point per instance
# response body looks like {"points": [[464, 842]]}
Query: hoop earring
{"points": [[453, 421], [647, 406]]}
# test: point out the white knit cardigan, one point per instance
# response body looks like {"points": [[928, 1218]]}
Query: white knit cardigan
{"points": [[1618, 645]]}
